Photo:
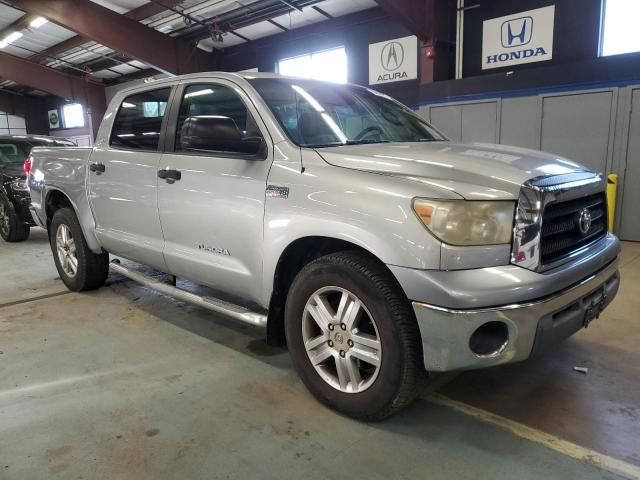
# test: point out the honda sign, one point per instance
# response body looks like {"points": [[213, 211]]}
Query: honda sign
{"points": [[393, 61], [520, 38]]}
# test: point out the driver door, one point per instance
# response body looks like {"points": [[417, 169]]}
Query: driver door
{"points": [[212, 208]]}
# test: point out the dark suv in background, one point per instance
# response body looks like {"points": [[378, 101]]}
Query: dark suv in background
{"points": [[15, 218]]}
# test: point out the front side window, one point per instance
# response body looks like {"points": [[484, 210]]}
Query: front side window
{"points": [[214, 119], [320, 114], [139, 120]]}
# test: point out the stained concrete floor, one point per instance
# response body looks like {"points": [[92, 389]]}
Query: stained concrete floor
{"points": [[122, 383]]}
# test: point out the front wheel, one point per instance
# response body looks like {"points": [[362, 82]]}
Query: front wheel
{"points": [[353, 337], [79, 268], [11, 228]]}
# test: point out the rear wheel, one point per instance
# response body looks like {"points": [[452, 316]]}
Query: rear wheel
{"points": [[353, 337], [11, 228], [79, 268]]}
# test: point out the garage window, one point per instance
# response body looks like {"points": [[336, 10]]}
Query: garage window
{"points": [[330, 65], [620, 33]]}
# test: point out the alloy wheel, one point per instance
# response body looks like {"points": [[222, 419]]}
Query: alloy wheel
{"points": [[341, 339], [66, 248]]}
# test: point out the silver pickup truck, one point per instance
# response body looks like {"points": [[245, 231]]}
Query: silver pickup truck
{"points": [[340, 221]]}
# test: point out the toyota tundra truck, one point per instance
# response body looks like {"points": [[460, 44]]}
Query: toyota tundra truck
{"points": [[337, 219]]}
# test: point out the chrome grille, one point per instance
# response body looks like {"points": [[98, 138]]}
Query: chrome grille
{"points": [[561, 234], [546, 232]]}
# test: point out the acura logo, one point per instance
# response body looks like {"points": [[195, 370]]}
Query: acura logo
{"points": [[392, 56], [584, 221]]}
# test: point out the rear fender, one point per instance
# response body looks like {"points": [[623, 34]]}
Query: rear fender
{"points": [[82, 211]]}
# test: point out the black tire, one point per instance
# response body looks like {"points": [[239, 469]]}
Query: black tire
{"points": [[401, 369], [12, 229], [92, 269]]}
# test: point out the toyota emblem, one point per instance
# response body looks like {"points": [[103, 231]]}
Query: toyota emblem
{"points": [[584, 221]]}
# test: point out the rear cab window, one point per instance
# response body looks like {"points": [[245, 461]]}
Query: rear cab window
{"points": [[139, 121]]}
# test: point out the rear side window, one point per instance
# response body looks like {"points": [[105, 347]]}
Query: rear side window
{"points": [[139, 120]]}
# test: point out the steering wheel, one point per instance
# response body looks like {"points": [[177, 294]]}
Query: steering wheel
{"points": [[369, 130]]}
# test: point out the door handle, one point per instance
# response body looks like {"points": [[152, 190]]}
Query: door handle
{"points": [[169, 175], [98, 168]]}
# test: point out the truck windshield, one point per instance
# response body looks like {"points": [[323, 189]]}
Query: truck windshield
{"points": [[320, 114]]}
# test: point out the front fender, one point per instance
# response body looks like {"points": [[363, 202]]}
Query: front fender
{"points": [[367, 209]]}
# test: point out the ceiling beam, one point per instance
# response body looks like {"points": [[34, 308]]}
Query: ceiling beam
{"points": [[145, 11], [120, 33], [20, 24], [261, 10], [71, 87]]}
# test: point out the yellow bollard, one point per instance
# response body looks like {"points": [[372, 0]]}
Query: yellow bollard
{"points": [[612, 188]]}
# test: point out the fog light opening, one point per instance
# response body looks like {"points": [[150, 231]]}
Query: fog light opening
{"points": [[489, 339]]}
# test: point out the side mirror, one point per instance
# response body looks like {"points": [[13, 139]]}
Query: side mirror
{"points": [[217, 133]]}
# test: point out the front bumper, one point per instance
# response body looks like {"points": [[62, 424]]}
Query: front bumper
{"points": [[531, 325]]}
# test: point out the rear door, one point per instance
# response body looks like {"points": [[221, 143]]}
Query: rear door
{"points": [[123, 182], [212, 217]]}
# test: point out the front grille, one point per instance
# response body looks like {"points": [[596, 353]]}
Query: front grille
{"points": [[561, 234]]}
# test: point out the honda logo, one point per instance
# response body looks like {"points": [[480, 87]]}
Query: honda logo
{"points": [[392, 56], [517, 32]]}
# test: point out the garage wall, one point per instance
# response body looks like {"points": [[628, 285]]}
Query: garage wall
{"points": [[12, 124], [599, 128]]}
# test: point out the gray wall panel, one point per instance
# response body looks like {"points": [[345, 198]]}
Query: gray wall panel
{"points": [[447, 119], [480, 122], [630, 212], [520, 122], [578, 127]]}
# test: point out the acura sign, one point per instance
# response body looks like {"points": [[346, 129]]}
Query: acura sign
{"points": [[393, 61], [520, 38]]}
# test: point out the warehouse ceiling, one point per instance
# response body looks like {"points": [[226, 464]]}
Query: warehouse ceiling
{"points": [[209, 25]]}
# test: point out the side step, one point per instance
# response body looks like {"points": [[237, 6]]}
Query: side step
{"points": [[213, 304]]}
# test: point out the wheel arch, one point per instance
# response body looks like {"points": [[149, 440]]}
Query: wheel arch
{"points": [[292, 259], [55, 199]]}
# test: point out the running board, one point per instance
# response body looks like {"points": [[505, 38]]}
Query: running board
{"points": [[213, 304]]}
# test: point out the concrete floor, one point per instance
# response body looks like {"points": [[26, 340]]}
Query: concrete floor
{"points": [[122, 383]]}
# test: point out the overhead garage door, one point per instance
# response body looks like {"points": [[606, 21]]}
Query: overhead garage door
{"points": [[630, 225], [578, 126]]}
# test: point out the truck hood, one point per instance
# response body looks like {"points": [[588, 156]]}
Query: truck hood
{"points": [[474, 171]]}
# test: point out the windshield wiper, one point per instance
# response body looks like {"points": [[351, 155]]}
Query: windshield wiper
{"points": [[364, 141], [348, 142]]}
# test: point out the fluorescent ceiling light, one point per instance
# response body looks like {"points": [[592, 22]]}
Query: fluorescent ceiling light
{"points": [[38, 22], [12, 37]]}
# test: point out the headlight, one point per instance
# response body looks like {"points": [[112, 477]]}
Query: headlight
{"points": [[461, 222], [20, 185]]}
